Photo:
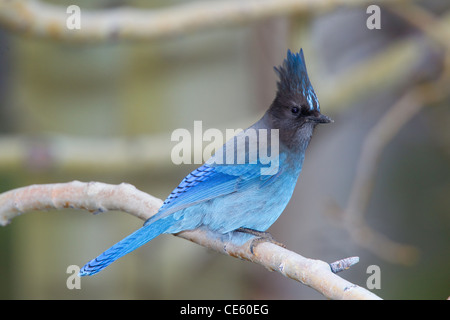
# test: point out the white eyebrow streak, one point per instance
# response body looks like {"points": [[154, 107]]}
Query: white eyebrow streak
{"points": [[311, 106]]}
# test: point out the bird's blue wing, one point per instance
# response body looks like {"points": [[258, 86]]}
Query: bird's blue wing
{"points": [[215, 179], [205, 183]]}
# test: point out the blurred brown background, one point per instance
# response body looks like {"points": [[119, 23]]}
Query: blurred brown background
{"points": [[70, 110]]}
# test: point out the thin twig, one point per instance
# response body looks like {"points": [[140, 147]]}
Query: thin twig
{"points": [[343, 264], [411, 103], [373, 145], [100, 197]]}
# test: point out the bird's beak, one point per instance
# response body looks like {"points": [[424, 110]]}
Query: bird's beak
{"points": [[320, 119]]}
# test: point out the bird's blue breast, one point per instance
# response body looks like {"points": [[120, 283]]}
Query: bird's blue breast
{"points": [[257, 207]]}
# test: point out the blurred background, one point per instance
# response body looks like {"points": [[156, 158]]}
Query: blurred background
{"points": [[103, 107]]}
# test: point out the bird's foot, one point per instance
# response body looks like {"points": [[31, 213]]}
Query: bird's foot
{"points": [[262, 236]]}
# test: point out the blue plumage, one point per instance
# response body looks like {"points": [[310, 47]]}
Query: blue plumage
{"points": [[224, 197]]}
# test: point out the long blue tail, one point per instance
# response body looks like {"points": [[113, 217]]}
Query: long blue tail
{"points": [[126, 245]]}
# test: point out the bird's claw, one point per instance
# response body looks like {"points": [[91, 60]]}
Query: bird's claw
{"points": [[261, 236]]}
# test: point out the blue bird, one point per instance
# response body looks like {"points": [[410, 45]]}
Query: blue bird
{"points": [[241, 189]]}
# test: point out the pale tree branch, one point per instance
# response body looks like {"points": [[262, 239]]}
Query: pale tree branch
{"points": [[101, 197], [44, 20]]}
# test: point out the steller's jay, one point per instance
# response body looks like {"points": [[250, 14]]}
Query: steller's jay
{"points": [[233, 197]]}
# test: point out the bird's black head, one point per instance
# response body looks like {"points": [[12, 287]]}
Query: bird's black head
{"points": [[295, 110]]}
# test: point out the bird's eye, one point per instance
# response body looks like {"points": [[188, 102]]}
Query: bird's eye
{"points": [[295, 110]]}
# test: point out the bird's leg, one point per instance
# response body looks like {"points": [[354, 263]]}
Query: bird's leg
{"points": [[262, 236]]}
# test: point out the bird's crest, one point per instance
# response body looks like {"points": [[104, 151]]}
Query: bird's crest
{"points": [[294, 79]]}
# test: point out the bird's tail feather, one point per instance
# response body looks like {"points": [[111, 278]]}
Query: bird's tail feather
{"points": [[125, 246]]}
